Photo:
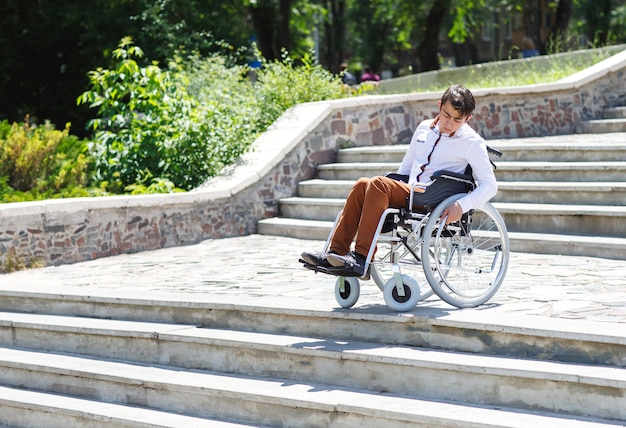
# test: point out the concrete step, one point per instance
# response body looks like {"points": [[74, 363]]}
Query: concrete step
{"points": [[271, 402], [591, 220], [589, 193], [149, 324], [575, 148], [27, 408], [563, 193], [392, 154], [206, 372], [354, 171], [295, 228], [615, 113], [600, 171], [311, 208], [328, 189], [570, 148], [540, 243], [599, 126], [573, 245]]}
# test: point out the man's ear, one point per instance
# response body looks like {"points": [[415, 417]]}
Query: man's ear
{"points": [[468, 117]]}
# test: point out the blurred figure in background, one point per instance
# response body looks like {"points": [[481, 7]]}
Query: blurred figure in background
{"points": [[346, 77], [528, 48], [368, 76]]}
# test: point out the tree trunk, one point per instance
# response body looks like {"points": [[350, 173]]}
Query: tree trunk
{"points": [[262, 16], [271, 26], [283, 36], [532, 23], [558, 33], [429, 47], [598, 19]]}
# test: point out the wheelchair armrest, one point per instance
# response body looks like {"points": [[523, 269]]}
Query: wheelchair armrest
{"points": [[397, 177], [449, 175]]}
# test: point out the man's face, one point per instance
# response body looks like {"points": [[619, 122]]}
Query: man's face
{"points": [[450, 120]]}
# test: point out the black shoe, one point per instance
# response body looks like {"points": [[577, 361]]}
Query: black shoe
{"points": [[353, 262], [315, 259]]}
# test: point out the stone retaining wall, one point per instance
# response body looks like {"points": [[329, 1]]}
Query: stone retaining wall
{"points": [[72, 230]]}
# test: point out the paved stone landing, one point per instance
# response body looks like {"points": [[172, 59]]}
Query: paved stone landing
{"points": [[264, 271]]}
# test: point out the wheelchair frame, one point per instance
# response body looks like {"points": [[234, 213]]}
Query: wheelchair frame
{"points": [[464, 262]]}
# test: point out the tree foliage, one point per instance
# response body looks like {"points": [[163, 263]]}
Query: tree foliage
{"points": [[50, 46]]}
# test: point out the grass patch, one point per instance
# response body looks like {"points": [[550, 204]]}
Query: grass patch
{"points": [[521, 72]]}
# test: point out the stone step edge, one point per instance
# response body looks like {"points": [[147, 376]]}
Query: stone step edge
{"points": [[527, 236], [516, 144], [613, 120], [502, 207], [615, 112], [599, 186], [525, 242], [311, 397], [345, 350], [525, 325], [36, 407], [502, 165]]}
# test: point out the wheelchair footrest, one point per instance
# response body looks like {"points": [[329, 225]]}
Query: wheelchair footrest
{"points": [[335, 271]]}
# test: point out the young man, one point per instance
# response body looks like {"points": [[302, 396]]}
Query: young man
{"points": [[444, 143]]}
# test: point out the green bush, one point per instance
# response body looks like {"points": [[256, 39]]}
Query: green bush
{"points": [[281, 85], [40, 162], [143, 114], [225, 119], [173, 129], [235, 109]]}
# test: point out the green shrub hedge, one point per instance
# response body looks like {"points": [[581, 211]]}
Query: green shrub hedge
{"points": [[182, 125], [41, 162], [157, 130]]}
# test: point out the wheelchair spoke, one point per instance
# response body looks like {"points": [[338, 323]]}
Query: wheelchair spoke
{"points": [[407, 259], [468, 261]]}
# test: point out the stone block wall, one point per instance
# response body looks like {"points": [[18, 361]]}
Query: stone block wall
{"points": [[72, 230]]}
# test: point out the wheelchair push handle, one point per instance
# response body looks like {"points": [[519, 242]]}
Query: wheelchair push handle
{"points": [[493, 151]]}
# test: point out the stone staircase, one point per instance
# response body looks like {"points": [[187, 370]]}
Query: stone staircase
{"points": [[72, 361], [557, 194], [614, 120]]}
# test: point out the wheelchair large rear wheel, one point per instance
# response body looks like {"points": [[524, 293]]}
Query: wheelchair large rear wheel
{"points": [[465, 262], [408, 260]]}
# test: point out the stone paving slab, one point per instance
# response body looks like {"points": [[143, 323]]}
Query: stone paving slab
{"points": [[264, 271]]}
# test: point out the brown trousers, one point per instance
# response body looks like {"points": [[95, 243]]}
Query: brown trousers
{"points": [[367, 201]]}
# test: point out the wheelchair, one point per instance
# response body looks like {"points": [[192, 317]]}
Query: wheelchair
{"points": [[414, 254]]}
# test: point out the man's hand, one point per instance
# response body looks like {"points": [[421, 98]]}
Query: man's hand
{"points": [[454, 213]]}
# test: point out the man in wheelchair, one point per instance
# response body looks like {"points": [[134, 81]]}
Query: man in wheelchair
{"points": [[445, 143]]}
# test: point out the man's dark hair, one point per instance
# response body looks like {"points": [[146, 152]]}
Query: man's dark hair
{"points": [[461, 99]]}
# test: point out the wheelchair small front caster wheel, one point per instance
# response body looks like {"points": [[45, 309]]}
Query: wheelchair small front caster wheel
{"points": [[347, 291], [402, 300]]}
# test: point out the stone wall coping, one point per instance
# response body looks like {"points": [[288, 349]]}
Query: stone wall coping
{"points": [[596, 71], [103, 202]]}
